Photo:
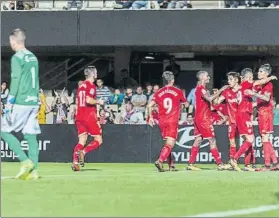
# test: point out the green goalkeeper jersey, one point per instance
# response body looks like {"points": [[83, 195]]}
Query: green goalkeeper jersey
{"points": [[25, 78]]}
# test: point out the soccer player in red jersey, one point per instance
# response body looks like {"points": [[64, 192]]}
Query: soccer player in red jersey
{"points": [[86, 118], [168, 99], [244, 115], [203, 122], [230, 96], [264, 95]]}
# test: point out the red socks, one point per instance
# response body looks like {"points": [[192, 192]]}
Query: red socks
{"points": [[216, 155], [243, 148], [232, 151], [77, 148], [248, 156], [194, 153], [165, 152], [269, 154], [266, 150], [92, 146]]}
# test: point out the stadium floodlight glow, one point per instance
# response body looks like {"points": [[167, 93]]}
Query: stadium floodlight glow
{"points": [[149, 57]]}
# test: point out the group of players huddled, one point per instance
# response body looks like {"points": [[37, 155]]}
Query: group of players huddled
{"points": [[238, 97], [23, 102]]}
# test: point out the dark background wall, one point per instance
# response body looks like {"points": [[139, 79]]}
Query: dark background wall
{"points": [[144, 28]]}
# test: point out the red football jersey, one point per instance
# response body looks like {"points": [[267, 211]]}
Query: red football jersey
{"points": [[264, 105], [86, 111], [168, 100], [202, 111], [245, 101], [231, 102]]}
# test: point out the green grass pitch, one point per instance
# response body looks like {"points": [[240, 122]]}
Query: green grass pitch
{"points": [[135, 190]]}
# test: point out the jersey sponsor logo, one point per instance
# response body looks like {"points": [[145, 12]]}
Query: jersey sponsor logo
{"points": [[186, 138], [31, 98], [29, 59], [7, 153], [92, 91]]}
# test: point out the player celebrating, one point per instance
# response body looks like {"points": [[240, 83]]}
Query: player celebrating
{"points": [[264, 97], [203, 122], [22, 106], [230, 96], [168, 100], [243, 117], [86, 118]]}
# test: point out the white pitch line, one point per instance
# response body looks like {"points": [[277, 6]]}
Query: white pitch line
{"points": [[260, 209]]}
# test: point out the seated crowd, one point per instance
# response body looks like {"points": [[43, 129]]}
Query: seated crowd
{"points": [[135, 4], [122, 106]]}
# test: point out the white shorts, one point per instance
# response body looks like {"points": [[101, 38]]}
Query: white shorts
{"points": [[22, 118]]}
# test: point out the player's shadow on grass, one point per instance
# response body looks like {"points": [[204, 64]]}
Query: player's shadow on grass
{"points": [[90, 170]]}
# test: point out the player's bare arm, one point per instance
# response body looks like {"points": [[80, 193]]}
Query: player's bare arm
{"points": [[264, 81], [210, 98], [220, 99], [264, 97], [223, 118], [149, 107], [93, 101], [65, 98]]}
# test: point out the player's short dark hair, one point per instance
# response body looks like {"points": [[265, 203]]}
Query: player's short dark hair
{"points": [[235, 75], [200, 73], [19, 35], [245, 71], [267, 68], [89, 69], [167, 77], [100, 79]]}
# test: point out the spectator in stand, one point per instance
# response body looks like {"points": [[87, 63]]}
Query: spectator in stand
{"points": [[276, 114], [59, 108], [130, 116], [75, 92], [28, 5], [44, 108], [103, 92], [116, 98], [139, 4], [126, 81], [74, 4], [192, 97], [155, 89], [148, 92], [177, 4], [128, 95], [106, 117], [123, 4], [189, 121], [139, 100], [4, 92]]}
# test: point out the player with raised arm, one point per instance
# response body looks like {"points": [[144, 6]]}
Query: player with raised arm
{"points": [[244, 115], [22, 106], [86, 118], [168, 99], [203, 122], [264, 95], [230, 96]]}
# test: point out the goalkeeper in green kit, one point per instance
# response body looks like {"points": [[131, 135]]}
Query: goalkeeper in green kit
{"points": [[20, 113]]}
